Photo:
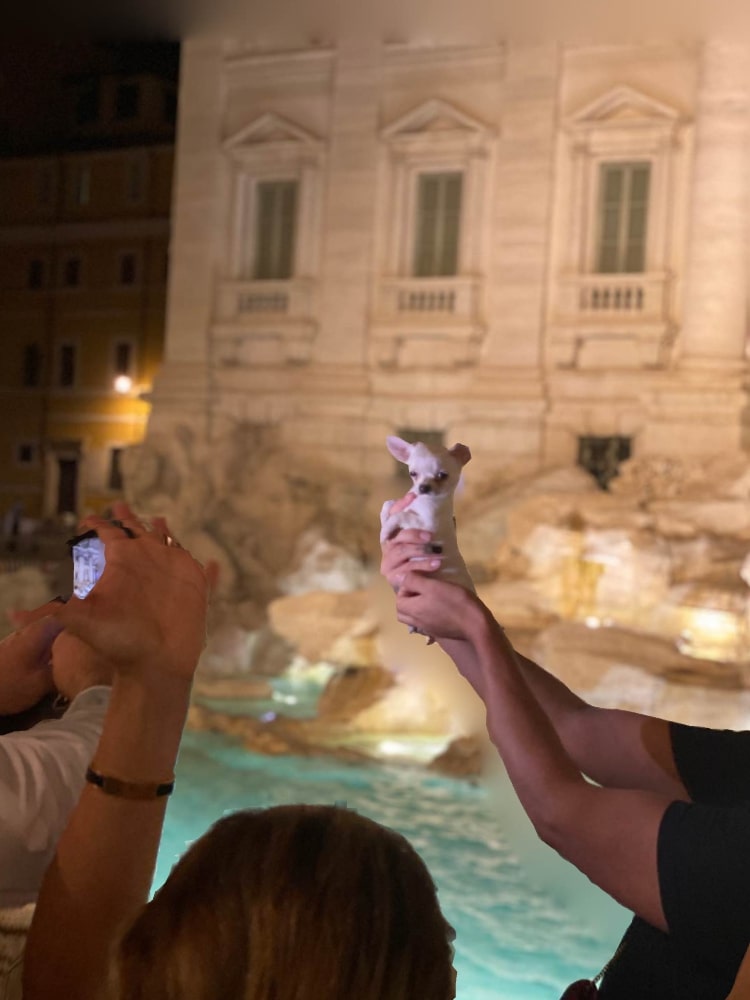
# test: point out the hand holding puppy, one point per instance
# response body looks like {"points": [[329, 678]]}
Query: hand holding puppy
{"points": [[435, 473], [435, 607], [408, 549]]}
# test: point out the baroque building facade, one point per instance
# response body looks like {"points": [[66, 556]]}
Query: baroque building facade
{"points": [[540, 250]]}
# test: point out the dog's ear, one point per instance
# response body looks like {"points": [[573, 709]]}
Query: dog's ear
{"points": [[461, 453], [400, 449]]}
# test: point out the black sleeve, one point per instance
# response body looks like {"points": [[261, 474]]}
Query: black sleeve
{"points": [[714, 764], [704, 879]]}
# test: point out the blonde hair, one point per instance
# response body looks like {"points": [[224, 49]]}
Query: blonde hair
{"points": [[292, 903]]}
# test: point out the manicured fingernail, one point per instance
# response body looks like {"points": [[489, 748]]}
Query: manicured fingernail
{"points": [[434, 563], [424, 536]]}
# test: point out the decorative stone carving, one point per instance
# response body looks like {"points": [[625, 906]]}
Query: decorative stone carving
{"points": [[430, 323], [616, 321], [269, 322], [244, 502]]}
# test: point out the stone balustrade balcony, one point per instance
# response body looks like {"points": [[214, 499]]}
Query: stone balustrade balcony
{"points": [[251, 301], [411, 300], [597, 298], [620, 320], [264, 322], [428, 322]]}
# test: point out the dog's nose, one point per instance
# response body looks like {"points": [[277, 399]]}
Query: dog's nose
{"points": [[425, 488]]}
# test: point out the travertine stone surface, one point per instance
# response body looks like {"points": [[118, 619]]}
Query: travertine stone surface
{"points": [[526, 347]]}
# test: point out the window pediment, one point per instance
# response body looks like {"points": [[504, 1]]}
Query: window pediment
{"points": [[623, 160], [436, 120], [271, 133], [274, 178], [438, 145], [621, 108]]}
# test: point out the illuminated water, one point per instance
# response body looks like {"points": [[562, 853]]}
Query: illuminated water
{"points": [[514, 940]]}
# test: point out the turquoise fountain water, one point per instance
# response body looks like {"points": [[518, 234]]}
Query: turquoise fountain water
{"points": [[515, 940]]}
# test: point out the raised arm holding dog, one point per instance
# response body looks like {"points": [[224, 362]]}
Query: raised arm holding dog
{"points": [[611, 746], [676, 858]]}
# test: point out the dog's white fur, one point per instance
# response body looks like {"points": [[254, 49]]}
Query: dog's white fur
{"points": [[435, 472]]}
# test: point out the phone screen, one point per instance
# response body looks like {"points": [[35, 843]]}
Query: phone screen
{"points": [[88, 563]]}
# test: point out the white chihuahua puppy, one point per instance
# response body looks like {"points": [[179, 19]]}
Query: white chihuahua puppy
{"points": [[435, 472]]}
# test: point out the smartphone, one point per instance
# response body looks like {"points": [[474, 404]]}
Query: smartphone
{"points": [[88, 561]]}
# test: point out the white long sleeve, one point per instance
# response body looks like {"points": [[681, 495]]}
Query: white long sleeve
{"points": [[42, 772]]}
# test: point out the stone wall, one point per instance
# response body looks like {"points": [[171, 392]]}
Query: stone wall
{"points": [[527, 347]]}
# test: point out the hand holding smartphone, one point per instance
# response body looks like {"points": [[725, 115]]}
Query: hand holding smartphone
{"points": [[87, 551]]}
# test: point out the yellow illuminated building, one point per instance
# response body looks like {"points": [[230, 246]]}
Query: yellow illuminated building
{"points": [[84, 234]]}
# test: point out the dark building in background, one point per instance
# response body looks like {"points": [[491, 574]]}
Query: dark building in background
{"points": [[86, 157]]}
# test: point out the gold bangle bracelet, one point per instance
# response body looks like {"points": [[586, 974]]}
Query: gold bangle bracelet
{"points": [[135, 790]]}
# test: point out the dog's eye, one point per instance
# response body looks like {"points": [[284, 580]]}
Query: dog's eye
{"points": [[441, 476], [412, 474]]}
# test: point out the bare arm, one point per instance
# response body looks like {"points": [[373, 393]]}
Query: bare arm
{"points": [[609, 834], [147, 614], [104, 864], [614, 748], [741, 988]]}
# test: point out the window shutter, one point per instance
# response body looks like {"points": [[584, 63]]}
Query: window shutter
{"points": [[437, 225], [426, 217], [264, 230], [451, 224], [635, 251], [286, 217], [67, 372], [611, 202], [276, 219], [623, 217], [123, 357]]}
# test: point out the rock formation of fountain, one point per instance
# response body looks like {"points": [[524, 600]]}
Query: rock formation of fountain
{"points": [[635, 596]]}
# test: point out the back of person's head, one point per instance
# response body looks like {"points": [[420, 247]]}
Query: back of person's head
{"points": [[292, 903]]}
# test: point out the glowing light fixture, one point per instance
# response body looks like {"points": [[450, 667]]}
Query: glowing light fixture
{"points": [[123, 384]]}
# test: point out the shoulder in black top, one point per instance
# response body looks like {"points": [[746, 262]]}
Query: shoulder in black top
{"points": [[714, 764], [704, 876]]}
